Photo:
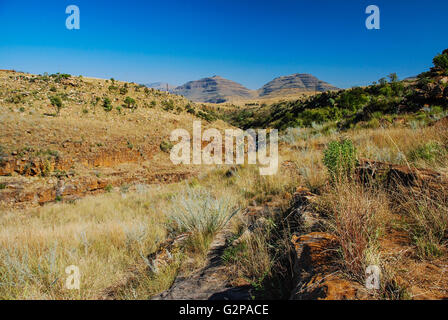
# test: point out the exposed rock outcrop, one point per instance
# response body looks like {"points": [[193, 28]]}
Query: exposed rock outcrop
{"points": [[391, 175], [208, 283], [316, 272]]}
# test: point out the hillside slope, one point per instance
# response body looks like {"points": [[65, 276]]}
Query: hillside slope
{"points": [[370, 106], [106, 134]]}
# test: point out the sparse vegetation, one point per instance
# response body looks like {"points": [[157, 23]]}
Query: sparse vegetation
{"points": [[428, 220], [56, 102], [441, 61], [166, 146], [340, 159], [356, 216], [130, 103], [348, 108], [198, 212], [107, 105]]}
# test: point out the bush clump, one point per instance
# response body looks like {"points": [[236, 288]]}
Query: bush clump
{"points": [[441, 61], [196, 210], [56, 102], [107, 105], [130, 103], [166, 146], [430, 152], [340, 160]]}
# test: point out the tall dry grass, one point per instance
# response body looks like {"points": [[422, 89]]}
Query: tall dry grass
{"points": [[356, 216], [404, 146], [426, 213], [104, 236], [108, 237]]}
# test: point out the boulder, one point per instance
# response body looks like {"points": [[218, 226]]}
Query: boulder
{"points": [[316, 275]]}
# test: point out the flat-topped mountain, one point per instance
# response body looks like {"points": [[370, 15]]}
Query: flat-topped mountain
{"points": [[217, 89], [214, 90], [295, 83]]}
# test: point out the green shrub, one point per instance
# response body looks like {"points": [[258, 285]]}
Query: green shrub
{"points": [[46, 169], [430, 152], [58, 77], [124, 90], [15, 99], [441, 61], [190, 109], [130, 103], [107, 105], [340, 160], [206, 116], [168, 105], [56, 102], [232, 253], [166, 146], [373, 123]]}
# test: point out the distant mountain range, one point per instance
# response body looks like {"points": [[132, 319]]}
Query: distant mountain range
{"points": [[295, 83], [217, 89]]}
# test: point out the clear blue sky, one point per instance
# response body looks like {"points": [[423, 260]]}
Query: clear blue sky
{"points": [[249, 41]]}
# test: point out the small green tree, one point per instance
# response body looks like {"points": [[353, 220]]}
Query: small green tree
{"points": [[393, 77], [107, 105], [166, 146], [441, 61], [382, 81], [124, 90], [56, 102], [129, 103], [340, 160]]}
